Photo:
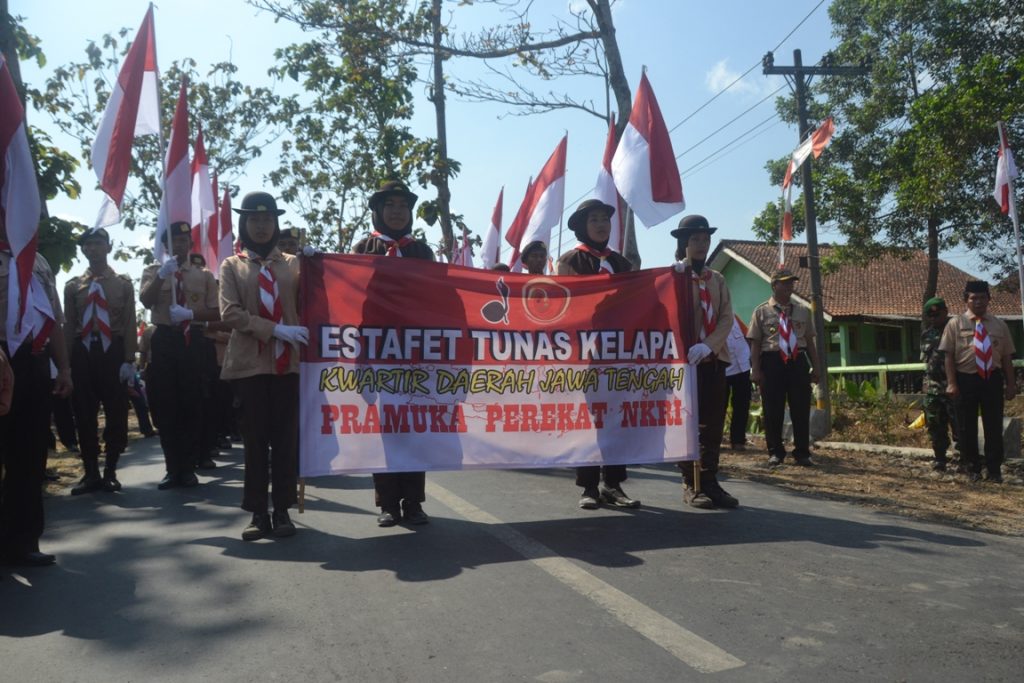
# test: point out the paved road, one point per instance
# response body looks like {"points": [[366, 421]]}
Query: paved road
{"points": [[509, 582]]}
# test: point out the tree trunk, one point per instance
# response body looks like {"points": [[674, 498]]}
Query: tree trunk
{"points": [[932, 283], [440, 174]]}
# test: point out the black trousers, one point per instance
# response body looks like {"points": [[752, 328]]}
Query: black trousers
{"points": [[392, 488], [270, 427], [23, 450], [209, 413], [711, 413], [738, 389], [786, 384], [590, 476], [95, 374], [987, 395], [64, 419], [173, 380]]}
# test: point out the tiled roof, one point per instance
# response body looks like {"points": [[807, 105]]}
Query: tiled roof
{"points": [[889, 286]]}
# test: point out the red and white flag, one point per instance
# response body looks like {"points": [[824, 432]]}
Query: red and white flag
{"points": [[463, 253], [204, 204], [176, 202], [492, 240], [226, 246], [132, 110], [517, 227], [606, 192], [1006, 173], [644, 165], [547, 199], [814, 144], [28, 309]]}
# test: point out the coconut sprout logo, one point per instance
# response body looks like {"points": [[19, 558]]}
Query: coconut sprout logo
{"points": [[544, 300], [497, 311]]}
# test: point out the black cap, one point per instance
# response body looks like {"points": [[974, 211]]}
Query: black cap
{"points": [[291, 233], [692, 224], [180, 228], [389, 189], [94, 233], [578, 219], [536, 244], [259, 202]]}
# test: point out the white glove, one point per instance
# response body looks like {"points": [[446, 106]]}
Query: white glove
{"points": [[698, 352], [309, 251], [180, 314], [169, 268], [127, 373], [293, 334], [679, 266]]}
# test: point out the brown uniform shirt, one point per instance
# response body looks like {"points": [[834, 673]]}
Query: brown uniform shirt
{"points": [[764, 324], [251, 348], [200, 290], [579, 262], [120, 295], [958, 340], [41, 269], [721, 302]]}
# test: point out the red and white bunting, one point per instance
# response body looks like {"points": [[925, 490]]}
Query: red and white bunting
{"points": [[644, 166], [204, 204], [176, 202], [492, 240], [815, 144], [28, 309], [132, 110], [1006, 173], [605, 191]]}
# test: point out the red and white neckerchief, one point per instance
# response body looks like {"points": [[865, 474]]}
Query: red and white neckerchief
{"points": [[179, 298], [982, 349], [270, 309], [707, 309], [96, 317], [600, 254], [394, 246], [787, 337]]}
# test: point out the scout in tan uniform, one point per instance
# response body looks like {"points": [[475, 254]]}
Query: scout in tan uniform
{"points": [[181, 298], [101, 337], [24, 429], [592, 256], [979, 376], [713, 319], [784, 364], [259, 293]]}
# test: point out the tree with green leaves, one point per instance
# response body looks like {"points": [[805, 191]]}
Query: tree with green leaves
{"points": [[238, 120], [912, 163]]}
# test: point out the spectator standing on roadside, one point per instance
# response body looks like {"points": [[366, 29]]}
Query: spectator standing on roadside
{"points": [[737, 385], [979, 375], [939, 413]]}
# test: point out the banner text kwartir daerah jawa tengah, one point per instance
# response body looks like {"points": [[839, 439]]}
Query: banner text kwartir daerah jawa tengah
{"points": [[418, 366]]}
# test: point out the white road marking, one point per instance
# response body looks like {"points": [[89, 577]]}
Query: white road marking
{"points": [[685, 645]]}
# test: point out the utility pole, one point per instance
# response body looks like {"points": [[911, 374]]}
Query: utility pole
{"points": [[799, 78]]}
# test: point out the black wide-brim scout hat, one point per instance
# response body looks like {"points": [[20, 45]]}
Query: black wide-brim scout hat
{"points": [[389, 189], [690, 225], [259, 202], [93, 233], [578, 219]]}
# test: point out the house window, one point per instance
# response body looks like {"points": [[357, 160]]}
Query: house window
{"points": [[888, 339], [833, 341], [853, 335]]}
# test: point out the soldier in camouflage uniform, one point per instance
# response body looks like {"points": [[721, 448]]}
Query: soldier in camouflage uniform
{"points": [[938, 407]]}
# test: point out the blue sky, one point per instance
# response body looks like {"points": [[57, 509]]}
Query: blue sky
{"points": [[691, 50]]}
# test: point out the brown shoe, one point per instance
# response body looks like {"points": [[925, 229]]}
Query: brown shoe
{"points": [[697, 500]]}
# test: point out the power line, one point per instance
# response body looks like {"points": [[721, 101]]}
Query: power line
{"points": [[730, 122], [734, 140]]}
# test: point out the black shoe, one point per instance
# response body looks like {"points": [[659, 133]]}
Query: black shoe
{"points": [[110, 483], [282, 524], [739, 447], [701, 501], [614, 495], [31, 559], [168, 482], [224, 443], [413, 513], [188, 480], [995, 478], [206, 463], [258, 527], [938, 465], [804, 462], [388, 517], [148, 435], [719, 496], [590, 500], [974, 476], [89, 483], [774, 461]]}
